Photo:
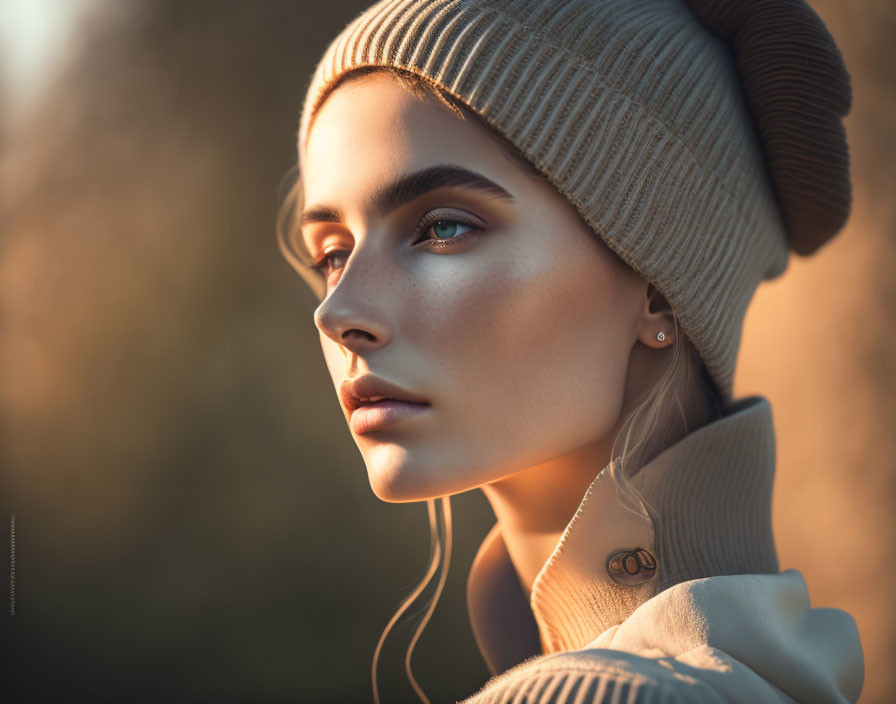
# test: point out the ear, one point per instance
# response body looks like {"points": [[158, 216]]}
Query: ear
{"points": [[656, 317]]}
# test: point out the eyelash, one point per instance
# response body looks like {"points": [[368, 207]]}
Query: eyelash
{"points": [[431, 219]]}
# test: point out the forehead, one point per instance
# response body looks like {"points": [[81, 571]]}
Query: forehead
{"points": [[372, 130]]}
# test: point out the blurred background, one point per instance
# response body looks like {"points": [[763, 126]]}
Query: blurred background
{"points": [[193, 521]]}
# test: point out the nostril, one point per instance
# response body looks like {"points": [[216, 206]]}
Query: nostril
{"points": [[366, 335]]}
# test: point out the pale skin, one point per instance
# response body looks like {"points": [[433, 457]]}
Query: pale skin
{"points": [[526, 337]]}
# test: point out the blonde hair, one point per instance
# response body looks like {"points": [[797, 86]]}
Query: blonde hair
{"points": [[679, 395]]}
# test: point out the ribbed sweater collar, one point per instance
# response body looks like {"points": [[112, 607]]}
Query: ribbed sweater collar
{"points": [[709, 498]]}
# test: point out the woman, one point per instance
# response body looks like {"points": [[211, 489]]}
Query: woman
{"points": [[534, 228]]}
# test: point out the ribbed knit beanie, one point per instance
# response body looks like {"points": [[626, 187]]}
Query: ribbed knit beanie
{"points": [[701, 140]]}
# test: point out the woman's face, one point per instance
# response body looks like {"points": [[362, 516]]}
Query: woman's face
{"points": [[493, 302]]}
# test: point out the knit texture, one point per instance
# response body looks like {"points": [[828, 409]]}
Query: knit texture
{"points": [[736, 639], [798, 92], [710, 498], [718, 623], [632, 109]]}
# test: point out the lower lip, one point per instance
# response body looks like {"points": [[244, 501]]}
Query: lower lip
{"points": [[373, 416]]}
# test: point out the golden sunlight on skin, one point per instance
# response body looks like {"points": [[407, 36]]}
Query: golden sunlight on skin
{"points": [[520, 337]]}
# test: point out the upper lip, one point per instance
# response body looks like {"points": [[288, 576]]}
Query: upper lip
{"points": [[355, 392]]}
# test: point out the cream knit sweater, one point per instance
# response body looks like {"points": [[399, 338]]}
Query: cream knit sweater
{"points": [[718, 623]]}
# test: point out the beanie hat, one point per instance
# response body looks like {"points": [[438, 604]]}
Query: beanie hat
{"points": [[701, 140]]}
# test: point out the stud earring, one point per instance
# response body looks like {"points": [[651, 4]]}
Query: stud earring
{"points": [[661, 336]]}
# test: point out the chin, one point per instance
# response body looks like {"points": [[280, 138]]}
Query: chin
{"points": [[395, 478], [400, 487], [396, 491]]}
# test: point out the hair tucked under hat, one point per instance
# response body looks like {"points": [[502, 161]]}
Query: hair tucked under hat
{"points": [[701, 142]]}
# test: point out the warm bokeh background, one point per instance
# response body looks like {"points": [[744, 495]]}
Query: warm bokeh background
{"points": [[193, 520]]}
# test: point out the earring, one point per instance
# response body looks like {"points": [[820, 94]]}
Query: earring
{"points": [[661, 336]]}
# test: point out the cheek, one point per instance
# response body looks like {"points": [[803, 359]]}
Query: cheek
{"points": [[528, 340]]}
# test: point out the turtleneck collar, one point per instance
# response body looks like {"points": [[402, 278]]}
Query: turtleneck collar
{"points": [[709, 501]]}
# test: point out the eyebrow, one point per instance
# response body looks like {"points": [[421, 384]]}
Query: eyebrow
{"points": [[409, 187]]}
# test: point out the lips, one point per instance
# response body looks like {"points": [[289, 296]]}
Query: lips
{"points": [[370, 390], [370, 417]]}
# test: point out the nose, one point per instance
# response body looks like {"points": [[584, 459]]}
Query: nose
{"points": [[352, 315]]}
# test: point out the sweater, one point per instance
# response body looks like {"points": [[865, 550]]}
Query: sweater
{"points": [[716, 622]]}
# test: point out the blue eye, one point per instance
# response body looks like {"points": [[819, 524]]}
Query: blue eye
{"points": [[323, 266], [448, 229], [446, 233]]}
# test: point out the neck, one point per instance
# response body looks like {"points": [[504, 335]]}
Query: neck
{"points": [[709, 500], [533, 506]]}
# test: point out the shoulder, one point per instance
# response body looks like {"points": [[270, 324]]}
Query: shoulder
{"points": [[589, 677], [604, 676]]}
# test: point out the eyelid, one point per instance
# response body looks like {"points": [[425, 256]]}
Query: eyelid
{"points": [[445, 213], [331, 245], [433, 216]]}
